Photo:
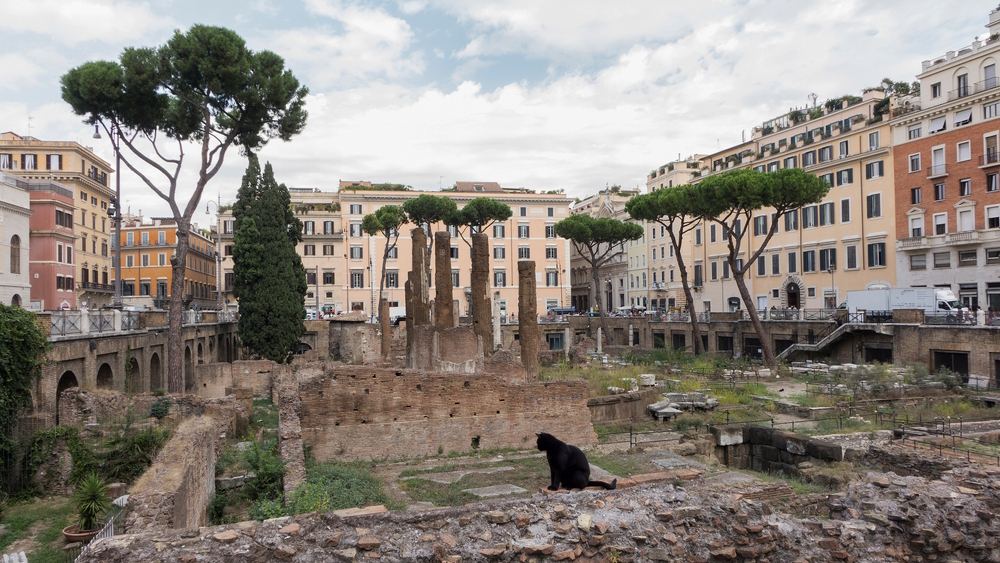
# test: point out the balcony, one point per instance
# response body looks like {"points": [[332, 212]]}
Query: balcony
{"points": [[991, 158], [985, 85], [91, 286], [937, 171], [964, 237], [959, 93], [912, 242]]}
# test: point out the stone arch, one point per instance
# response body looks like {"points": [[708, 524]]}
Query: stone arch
{"points": [[201, 357], [794, 285], [15, 301], [221, 349], [211, 347], [66, 381], [105, 377], [154, 372], [230, 353], [134, 377], [188, 370]]}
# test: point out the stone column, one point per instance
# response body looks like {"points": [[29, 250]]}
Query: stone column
{"points": [[418, 276], [408, 296], [527, 315], [383, 319], [497, 335], [567, 341], [482, 321], [443, 293], [600, 341]]}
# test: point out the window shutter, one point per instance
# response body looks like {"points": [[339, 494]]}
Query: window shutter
{"points": [[850, 175], [868, 171], [881, 169]]}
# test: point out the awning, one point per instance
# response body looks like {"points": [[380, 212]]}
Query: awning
{"points": [[963, 117], [937, 124]]}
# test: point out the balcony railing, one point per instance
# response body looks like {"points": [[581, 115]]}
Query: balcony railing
{"points": [[91, 286], [937, 170], [964, 236], [991, 157], [987, 84], [911, 242], [959, 93]]}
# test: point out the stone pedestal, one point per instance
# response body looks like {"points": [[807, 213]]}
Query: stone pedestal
{"points": [[443, 293], [527, 315], [482, 320]]}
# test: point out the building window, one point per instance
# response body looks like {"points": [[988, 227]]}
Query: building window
{"points": [[310, 250], [918, 262], [827, 214], [964, 151], [161, 259], [355, 209], [455, 279], [914, 132], [852, 257], [915, 196], [809, 217], [967, 258], [942, 259], [792, 220], [825, 154], [844, 149], [523, 253], [775, 264], [499, 253], [454, 253], [310, 227], [15, 254], [993, 217], [790, 162], [827, 259], [227, 227], [808, 261], [761, 266], [550, 252], [725, 269], [793, 262], [808, 159], [992, 182], [991, 110], [845, 211], [551, 278], [393, 252], [327, 250], [874, 202], [550, 231], [327, 227], [500, 279], [498, 231], [916, 226], [715, 271], [876, 255], [329, 278], [771, 167], [936, 90], [939, 192], [356, 252], [355, 229], [145, 260], [310, 278], [129, 261], [941, 223], [873, 141], [965, 187], [524, 211], [357, 279], [697, 236], [993, 255], [914, 163], [552, 212], [760, 225], [711, 233], [874, 170], [523, 231]]}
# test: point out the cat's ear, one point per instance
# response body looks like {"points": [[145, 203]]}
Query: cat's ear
{"points": [[537, 434]]}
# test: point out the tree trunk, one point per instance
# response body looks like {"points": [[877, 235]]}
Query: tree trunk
{"points": [[597, 301], [175, 344], [765, 346], [695, 331]]}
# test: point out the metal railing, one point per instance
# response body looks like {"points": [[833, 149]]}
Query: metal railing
{"points": [[65, 322], [96, 286], [112, 527], [992, 156], [937, 170], [985, 85], [130, 320], [959, 93], [951, 318], [102, 321]]}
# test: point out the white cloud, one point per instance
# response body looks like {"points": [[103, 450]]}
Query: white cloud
{"points": [[20, 70], [75, 21], [412, 6]]}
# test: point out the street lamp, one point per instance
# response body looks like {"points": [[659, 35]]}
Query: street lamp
{"points": [[833, 288], [115, 212], [218, 253]]}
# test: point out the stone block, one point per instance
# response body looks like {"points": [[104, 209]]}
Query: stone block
{"points": [[758, 435], [825, 451], [796, 444], [770, 453], [728, 435]]}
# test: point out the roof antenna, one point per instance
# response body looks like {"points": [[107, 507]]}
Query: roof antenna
{"points": [[813, 98]]}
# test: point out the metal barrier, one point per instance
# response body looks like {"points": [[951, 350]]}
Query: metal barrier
{"points": [[65, 322], [112, 527], [130, 320], [102, 321]]}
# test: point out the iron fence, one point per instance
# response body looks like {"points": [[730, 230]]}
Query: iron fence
{"points": [[102, 320], [65, 322]]}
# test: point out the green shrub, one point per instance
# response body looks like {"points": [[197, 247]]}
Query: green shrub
{"points": [[263, 460], [336, 485], [687, 421], [160, 408], [91, 500], [265, 509]]}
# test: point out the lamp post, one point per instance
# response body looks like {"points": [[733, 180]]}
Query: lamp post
{"points": [[218, 248], [115, 213], [833, 288]]}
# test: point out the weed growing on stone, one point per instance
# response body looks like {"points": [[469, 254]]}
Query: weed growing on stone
{"points": [[336, 485]]}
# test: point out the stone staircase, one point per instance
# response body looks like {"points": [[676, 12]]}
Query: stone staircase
{"points": [[829, 339]]}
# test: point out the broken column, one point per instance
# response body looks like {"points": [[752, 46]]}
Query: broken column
{"points": [[443, 293], [420, 315], [408, 296], [527, 315], [497, 335], [383, 319], [482, 321]]}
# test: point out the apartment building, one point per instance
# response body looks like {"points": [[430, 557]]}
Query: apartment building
{"points": [[15, 240], [344, 265], [614, 275], [51, 258], [638, 269], [81, 171], [148, 246], [947, 169]]}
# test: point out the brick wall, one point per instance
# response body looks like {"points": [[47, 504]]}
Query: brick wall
{"points": [[624, 407], [211, 380], [359, 413], [255, 374]]}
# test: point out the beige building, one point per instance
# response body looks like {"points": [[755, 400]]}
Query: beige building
{"points": [[820, 252], [344, 265], [88, 176], [614, 275]]}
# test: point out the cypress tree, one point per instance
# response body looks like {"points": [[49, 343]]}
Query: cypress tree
{"points": [[270, 282]]}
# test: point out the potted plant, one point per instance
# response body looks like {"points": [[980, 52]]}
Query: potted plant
{"points": [[91, 499]]}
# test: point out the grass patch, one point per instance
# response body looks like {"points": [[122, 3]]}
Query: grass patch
{"points": [[51, 515], [597, 378], [530, 473], [265, 415], [800, 487], [336, 485], [621, 465], [617, 432]]}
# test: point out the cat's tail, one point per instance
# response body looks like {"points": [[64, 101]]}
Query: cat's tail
{"points": [[612, 486]]}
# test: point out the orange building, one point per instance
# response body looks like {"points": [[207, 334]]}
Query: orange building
{"points": [[148, 246]]}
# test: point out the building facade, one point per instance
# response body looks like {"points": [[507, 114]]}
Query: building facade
{"points": [[613, 277], [81, 171], [15, 240], [52, 265], [947, 168], [147, 249], [344, 265]]}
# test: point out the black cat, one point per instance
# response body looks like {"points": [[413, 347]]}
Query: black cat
{"points": [[568, 465]]}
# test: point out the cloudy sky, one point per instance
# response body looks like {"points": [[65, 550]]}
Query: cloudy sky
{"points": [[541, 94]]}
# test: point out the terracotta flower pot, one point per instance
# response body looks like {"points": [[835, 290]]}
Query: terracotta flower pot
{"points": [[74, 534]]}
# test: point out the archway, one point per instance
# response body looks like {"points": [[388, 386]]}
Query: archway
{"points": [[211, 347], [200, 357], [15, 301], [222, 349], [188, 370], [66, 381], [134, 377], [794, 296], [154, 372], [230, 354], [105, 377]]}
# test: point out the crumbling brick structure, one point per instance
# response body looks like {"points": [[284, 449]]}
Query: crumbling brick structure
{"points": [[527, 318], [444, 318], [482, 311]]}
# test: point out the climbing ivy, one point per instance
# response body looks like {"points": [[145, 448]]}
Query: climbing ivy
{"points": [[22, 351], [44, 442]]}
